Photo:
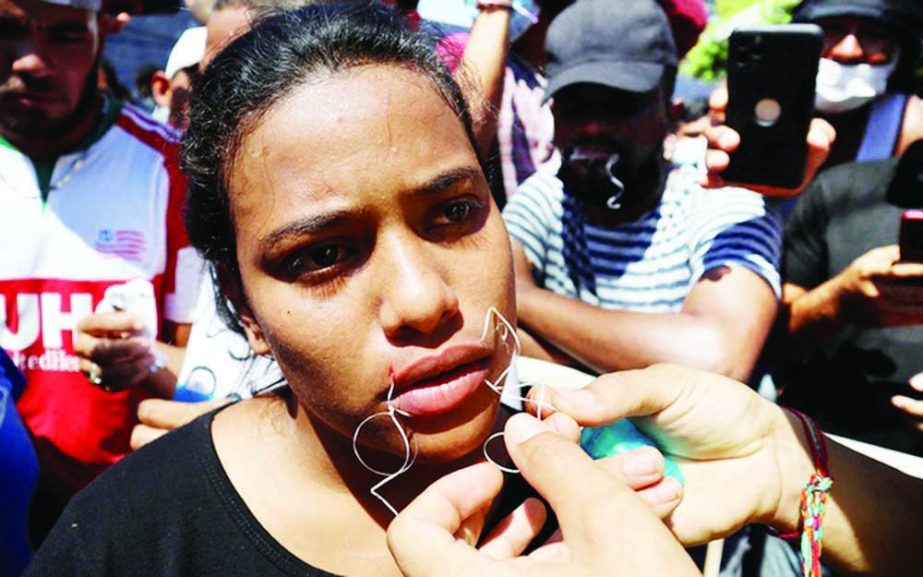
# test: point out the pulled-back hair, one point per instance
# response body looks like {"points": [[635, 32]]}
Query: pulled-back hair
{"points": [[280, 53]]}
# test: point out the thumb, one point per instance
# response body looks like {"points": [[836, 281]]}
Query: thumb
{"points": [[422, 537]]}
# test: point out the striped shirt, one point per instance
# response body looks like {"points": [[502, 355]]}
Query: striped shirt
{"points": [[651, 264]]}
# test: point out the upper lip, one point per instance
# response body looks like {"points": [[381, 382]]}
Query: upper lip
{"points": [[425, 368]]}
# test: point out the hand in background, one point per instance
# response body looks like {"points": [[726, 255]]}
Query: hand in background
{"points": [[723, 140], [158, 417], [112, 353], [912, 407]]}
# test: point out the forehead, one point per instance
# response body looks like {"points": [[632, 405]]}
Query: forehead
{"points": [[352, 138], [44, 12]]}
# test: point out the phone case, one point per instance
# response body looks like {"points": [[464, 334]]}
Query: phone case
{"points": [[772, 73], [911, 236]]}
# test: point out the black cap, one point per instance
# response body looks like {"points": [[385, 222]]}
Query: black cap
{"points": [[623, 44], [903, 17]]}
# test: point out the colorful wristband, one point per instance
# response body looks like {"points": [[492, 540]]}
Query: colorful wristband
{"points": [[813, 500]]}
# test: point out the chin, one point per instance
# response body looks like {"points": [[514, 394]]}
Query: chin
{"points": [[465, 433]]}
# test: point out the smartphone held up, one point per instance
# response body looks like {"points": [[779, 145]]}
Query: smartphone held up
{"points": [[772, 73]]}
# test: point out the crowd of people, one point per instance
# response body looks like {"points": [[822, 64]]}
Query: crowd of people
{"points": [[271, 325]]}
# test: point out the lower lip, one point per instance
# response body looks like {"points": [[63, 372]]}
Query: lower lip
{"points": [[443, 393]]}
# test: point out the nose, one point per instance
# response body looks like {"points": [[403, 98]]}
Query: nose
{"points": [[847, 50], [416, 299], [29, 60]]}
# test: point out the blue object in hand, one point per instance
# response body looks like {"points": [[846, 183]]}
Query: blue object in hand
{"points": [[620, 437]]}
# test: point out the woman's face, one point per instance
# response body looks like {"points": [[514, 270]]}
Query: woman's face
{"points": [[370, 251]]}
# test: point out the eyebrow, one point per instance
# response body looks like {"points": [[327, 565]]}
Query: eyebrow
{"points": [[321, 222], [448, 180], [304, 226]]}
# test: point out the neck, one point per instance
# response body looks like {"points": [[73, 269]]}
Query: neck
{"points": [[51, 147]]}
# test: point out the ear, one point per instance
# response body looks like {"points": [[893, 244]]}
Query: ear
{"points": [[232, 291], [253, 331], [160, 89]]}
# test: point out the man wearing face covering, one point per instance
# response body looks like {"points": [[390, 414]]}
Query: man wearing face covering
{"points": [[866, 76], [621, 259]]}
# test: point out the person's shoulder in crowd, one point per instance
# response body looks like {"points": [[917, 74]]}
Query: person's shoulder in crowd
{"points": [[847, 186], [143, 512], [138, 123]]}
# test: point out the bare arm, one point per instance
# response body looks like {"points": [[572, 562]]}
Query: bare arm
{"points": [[722, 326], [721, 431], [485, 61], [867, 293]]}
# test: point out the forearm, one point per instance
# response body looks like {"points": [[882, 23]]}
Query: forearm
{"points": [[610, 340], [485, 60], [813, 317], [872, 512], [874, 516]]}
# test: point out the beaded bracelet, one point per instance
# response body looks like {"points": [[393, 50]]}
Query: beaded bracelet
{"points": [[813, 500]]}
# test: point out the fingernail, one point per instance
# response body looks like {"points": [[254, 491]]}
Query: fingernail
{"points": [[522, 427], [643, 463]]}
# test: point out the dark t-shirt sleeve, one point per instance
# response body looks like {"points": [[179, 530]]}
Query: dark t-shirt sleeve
{"points": [[805, 258]]}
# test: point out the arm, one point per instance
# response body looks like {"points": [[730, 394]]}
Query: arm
{"points": [[721, 431], [484, 60], [868, 293], [724, 321]]}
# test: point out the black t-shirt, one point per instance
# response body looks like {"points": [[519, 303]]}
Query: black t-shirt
{"points": [[170, 509], [848, 383]]}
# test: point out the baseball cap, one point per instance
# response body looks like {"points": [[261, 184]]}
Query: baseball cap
{"points": [[188, 51], [625, 45]]}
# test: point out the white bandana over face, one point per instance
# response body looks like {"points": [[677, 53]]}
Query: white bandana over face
{"points": [[845, 87]]}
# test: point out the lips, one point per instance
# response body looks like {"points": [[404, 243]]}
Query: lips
{"points": [[439, 383]]}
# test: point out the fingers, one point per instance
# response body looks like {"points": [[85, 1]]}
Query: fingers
{"points": [[512, 535], [718, 103], [142, 435], [422, 536], [169, 415], [618, 395], [117, 324], [911, 407], [916, 382], [821, 136], [550, 464], [643, 471]]}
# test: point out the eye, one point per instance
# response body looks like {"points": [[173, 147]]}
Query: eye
{"points": [[318, 259], [458, 212]]}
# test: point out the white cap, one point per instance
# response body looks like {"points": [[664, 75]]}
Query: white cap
{"points": [[91, 5], [188, 51]]}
